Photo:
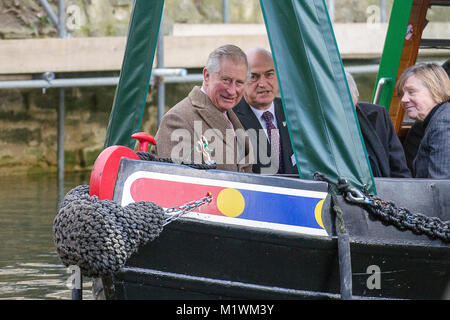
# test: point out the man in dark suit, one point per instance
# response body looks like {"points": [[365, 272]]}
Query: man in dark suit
{"points": [[261, 114], [384, 149]]}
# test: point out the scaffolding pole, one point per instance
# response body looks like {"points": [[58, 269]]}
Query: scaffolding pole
{"points": [[168, 75], [61, 107], [160, 64]]}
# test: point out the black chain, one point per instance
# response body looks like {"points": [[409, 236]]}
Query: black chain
{"points": [[186, 208], [389, 214], [403, 219]]}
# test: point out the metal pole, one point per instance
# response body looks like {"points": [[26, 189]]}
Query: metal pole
{"points": [[226, 11], [61, 108], [50, 12], [383, 17], [160, 64], [170, 76], [75, 282], [78, 280], [62, 18], [61, 114]]}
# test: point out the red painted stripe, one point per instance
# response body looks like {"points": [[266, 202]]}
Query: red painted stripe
{"points": [[162, 192]]}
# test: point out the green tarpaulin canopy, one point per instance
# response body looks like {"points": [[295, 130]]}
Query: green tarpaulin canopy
{"points": [[131, 92], [321, 118]]}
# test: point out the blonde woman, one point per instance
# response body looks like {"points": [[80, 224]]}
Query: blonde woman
{"points": [[424, 90]]}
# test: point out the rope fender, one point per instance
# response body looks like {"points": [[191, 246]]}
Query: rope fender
{"points": [[100, 235]]}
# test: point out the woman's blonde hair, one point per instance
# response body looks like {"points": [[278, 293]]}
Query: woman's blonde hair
{"points": [[432, 76]]}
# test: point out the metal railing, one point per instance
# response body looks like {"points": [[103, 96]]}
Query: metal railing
{"points": [[49, 81], [167, 75]]}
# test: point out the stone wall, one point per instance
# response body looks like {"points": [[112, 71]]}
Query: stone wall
{"points": [[27, 18], [28, 125], [28, 122]]}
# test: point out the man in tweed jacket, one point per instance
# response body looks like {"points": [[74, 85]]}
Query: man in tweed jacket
{"points": [[202, 127]]}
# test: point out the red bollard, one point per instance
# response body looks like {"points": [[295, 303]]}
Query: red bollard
{"points": [[144, 139]]}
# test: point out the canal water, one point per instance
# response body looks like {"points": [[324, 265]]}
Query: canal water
{"points": [[29, 265]]}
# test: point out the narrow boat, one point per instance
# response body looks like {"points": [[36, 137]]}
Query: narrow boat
{"points": [[331, 232], [278, 239]]}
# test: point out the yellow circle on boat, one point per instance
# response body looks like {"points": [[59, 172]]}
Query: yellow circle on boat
{"points": [[230, 202], [318, 212]]}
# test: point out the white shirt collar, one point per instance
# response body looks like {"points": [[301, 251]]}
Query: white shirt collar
{"points": [[259, 112]]}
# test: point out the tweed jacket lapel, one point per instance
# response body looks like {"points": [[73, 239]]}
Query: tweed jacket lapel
{"points": [[215, 119], [211, 116]]}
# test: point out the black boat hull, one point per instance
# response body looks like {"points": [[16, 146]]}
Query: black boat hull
{"points": [[199, 260], [196, 259]]}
